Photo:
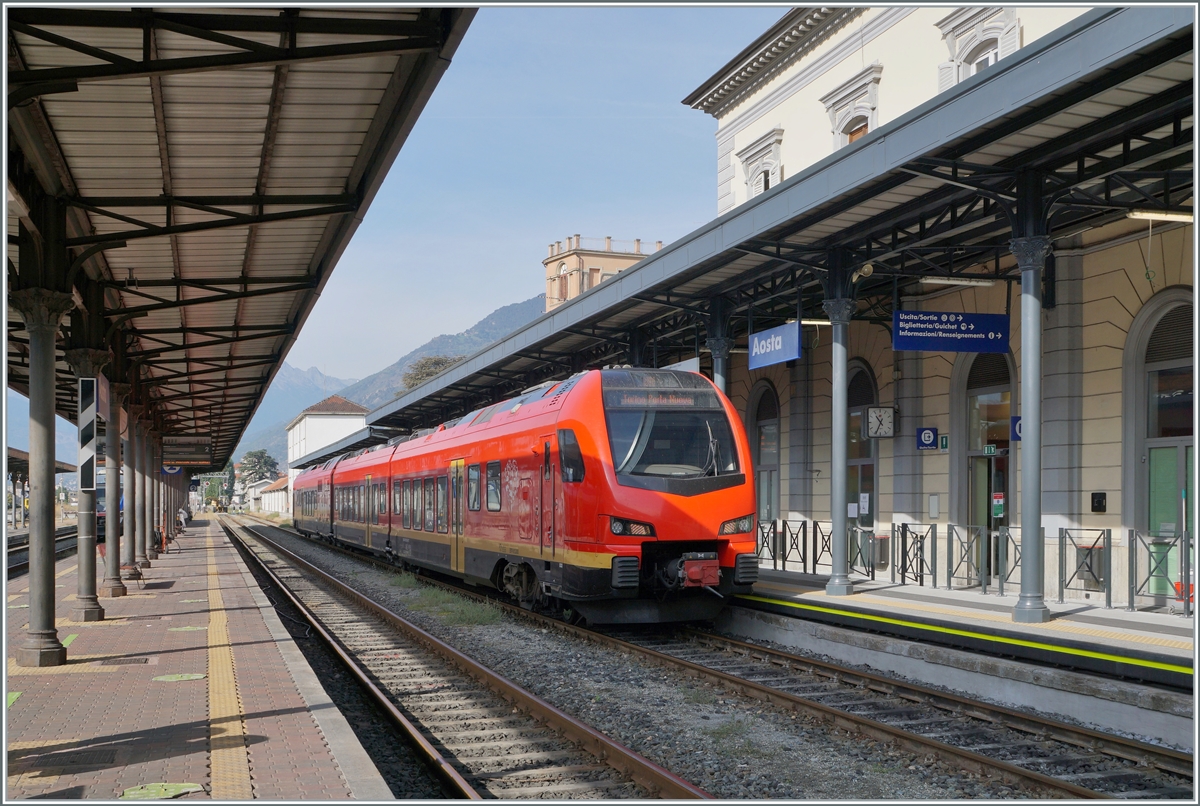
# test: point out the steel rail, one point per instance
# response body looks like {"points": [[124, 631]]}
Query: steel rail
{"points": [[1165, 759], [641, 770], [425, 750], [61, 538]]}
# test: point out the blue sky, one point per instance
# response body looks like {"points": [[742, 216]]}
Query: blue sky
{"points": [[549, 122]]}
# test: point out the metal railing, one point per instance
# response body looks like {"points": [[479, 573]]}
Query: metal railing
{"points": [[784, 542], [1093, 562], [914, 553], [861, 551], [1161, 550], [1010, 557], [964, 549]]}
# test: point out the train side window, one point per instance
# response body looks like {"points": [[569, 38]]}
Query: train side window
{"points": [[381, 497], [570, 458], [429, 505], [416, 504], [546, 460], [493, 486], [473, 488], [406, 505], [443, 500], [396, 497]]}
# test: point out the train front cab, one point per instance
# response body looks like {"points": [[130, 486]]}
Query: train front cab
{"points": [[658, 498]]}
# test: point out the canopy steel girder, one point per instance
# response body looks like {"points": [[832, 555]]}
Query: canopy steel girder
{"points": [[404, 36], [148, 230]]}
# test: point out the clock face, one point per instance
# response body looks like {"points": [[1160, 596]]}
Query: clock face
{"points": [[880, 422]]}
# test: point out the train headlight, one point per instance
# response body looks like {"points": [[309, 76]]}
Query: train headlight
{"points": [[737, 526], [620, 526]]}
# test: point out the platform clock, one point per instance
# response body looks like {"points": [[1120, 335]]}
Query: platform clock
{"points": [[881, 422]]}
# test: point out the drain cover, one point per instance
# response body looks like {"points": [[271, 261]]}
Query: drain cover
{"points": [[77, 758], [124, 661], [177, 678], [159, 791]]}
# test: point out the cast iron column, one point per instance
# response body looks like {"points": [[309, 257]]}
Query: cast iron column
{"points": [[840, 311], [140, 520], [718, 341], [42, 311], [112, 585], [153, 475], [1031, 255], [129, 567], [87, 363]]}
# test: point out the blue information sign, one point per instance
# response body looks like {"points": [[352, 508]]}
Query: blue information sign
{"points": [[933, 331], [775, 346], [927, 439], [1014, 428]]}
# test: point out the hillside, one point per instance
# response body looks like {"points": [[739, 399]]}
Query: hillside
{"points": [[292, 391], [375, 390]]}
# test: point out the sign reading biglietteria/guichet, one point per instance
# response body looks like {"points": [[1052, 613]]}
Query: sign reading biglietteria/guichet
{"points": [[775, 346], [934, 331]]}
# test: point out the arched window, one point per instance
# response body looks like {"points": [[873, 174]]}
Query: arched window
{"points": [[855, 129], [1170, 400], [562, 281], [860, 449], [982, 57], [765, 446]]}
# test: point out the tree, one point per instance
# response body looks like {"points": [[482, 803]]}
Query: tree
{"points": [[426, 367], [230, 478], [257, 465]]}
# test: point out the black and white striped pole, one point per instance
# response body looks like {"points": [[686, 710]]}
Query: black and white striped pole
{"points": [[93, 406]]}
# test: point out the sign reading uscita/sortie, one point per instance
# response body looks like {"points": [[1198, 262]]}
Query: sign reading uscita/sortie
{"points": [[775, 346], [934, 331]]}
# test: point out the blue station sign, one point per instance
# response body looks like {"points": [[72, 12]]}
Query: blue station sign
{"points": [[927, 439], [934, 331], [775, 346]]}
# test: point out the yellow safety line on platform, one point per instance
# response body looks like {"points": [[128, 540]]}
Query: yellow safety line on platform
{"points": [[63, 573], [999, 639], [229, 761], [74, 664], [1058, 625]]}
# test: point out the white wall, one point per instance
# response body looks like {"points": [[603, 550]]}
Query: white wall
{"points": [[315, 431]]}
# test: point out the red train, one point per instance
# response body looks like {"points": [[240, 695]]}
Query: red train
{"points": [[616, 496]]}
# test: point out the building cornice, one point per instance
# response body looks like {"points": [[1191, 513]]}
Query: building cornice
{"points": [[796, 33], [801, 79]]}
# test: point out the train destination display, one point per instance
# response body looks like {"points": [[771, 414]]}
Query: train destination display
{"points": [[944, 332]]}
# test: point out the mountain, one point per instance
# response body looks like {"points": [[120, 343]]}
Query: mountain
{"points": [[292, 391], [375, 390]]}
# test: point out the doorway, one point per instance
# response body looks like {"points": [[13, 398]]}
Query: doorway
{"points": [[989, 503]]}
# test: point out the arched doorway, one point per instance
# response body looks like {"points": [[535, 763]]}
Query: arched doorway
{"points": [[860, 450], [989, 407], [766, 451]]}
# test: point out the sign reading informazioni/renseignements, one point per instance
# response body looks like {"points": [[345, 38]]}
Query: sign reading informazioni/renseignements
{"points": [[934, 331], [775, 346]]}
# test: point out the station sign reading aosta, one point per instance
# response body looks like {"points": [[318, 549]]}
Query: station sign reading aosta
{"points": [[775, 346]]}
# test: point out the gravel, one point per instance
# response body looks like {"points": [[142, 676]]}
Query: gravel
{"points": [[731, 746]]}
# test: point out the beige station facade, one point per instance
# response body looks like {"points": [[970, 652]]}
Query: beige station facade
{"points": [[579, 264], [1117, 367]]}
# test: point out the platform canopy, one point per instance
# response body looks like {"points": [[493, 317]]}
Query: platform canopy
{"points": [[214, 164], [18, 463], [1073, 132]]}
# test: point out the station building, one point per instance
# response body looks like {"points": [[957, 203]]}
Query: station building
{"points": [[584, 263], [1027, 168]]}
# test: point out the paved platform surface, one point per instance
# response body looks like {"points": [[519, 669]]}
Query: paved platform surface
{"points": [[190, 679], [1162, 633]]}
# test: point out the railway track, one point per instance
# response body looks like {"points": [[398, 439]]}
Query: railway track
{"points": [[18, 549], [1023, 749], [486, 737]]}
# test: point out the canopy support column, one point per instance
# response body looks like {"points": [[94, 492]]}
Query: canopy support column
{"points": [[840, 309]]}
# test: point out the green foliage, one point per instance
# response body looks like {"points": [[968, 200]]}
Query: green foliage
{"points": [[229, 479], [454, 610], [258, 465], [425, 368]]}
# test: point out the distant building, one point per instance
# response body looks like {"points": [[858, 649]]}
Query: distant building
{"points": [[585, 263], [254, 491], [322, 424], [275, 497]]}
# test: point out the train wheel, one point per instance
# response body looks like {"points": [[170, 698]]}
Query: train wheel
{"points": [[520, 582]]}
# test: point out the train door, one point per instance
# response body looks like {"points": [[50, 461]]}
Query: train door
{"points": [[547, 497], [457, 549], [368, 511]]}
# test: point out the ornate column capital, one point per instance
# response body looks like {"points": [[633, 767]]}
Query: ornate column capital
{"points": [[719, 345], [118, 392], [1031, 252], [839, 310], [41, 308], [87, 362]]}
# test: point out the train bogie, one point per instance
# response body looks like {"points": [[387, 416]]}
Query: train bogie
{"points": [[618, 495]]}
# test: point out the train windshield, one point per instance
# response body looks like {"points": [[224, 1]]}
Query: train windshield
{"points": [[667, 424]]}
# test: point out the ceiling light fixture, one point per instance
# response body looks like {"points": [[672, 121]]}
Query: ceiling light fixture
{"points": [[957, 281], [1160, 215]]}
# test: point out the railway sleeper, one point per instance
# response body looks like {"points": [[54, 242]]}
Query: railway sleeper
{"points": [[1099, 777], [538, 772], [530, 758], [1066, 760], [543, 791], [1169, 792]]}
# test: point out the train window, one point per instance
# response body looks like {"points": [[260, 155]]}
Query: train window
{"points": [[396, 498], [546, 460], [493, 486], [442, 503], [381, 497], [406, 505], [416, 504], [473, 488], [570, 458], [429, 505]]}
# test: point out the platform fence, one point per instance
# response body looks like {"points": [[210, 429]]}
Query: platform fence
{"points": [[914, 553], [783, 542], [1160, 571], [1091, 570], [862, 551]]}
